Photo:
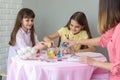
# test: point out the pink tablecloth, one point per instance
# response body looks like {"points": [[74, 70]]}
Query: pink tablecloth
{"points": [[61, 70]]}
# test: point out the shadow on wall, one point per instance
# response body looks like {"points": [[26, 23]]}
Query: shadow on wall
{"points": [[103, 51]]}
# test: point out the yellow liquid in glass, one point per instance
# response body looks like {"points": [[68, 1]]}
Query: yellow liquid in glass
{"points": [[51, 54]]}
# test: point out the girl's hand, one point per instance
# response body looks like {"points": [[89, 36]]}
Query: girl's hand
{"points": [[40, 46], [53, 44], [49, 44], [87, 60]]}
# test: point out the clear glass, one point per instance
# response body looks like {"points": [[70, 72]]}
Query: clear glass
{"points": [[51, 52]]}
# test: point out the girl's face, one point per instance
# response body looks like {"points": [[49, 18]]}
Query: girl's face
{"points": [[27, 23], [75, 27]]}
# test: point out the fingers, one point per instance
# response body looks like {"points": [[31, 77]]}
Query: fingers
{"points": [[53, 44], [67, 43], [86, 60], [48, 43], [83, 59]]}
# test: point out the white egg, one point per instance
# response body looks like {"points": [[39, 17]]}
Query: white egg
{"points": [[23, 50], [29, 48], [28, 54], [24, 57], [33, 51], [19, 52]]}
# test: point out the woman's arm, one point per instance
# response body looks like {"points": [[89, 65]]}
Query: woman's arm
{"points": [[104, 65], [89, 49], [91, 42], [93, 62]]}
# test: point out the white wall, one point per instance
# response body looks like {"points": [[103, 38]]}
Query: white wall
{"points": [[53, 14], [8, 11]]}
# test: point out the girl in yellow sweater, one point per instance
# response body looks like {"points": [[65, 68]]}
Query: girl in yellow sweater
{"points": [[76, 29]]}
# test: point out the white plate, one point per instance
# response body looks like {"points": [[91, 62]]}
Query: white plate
{"points": [[67, 56], [73, 58], [90, 54]]}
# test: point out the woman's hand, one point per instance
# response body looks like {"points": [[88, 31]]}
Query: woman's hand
{"points": [[70, 42], [87, 60]]}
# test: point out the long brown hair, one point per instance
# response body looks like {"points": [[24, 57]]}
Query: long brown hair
{"points": [[109, 14], [80, 17], [23, 13]]}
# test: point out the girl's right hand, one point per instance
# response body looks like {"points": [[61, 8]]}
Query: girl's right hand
{"points": [[40, 46]]}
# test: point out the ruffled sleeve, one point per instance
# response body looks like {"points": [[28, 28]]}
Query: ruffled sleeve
{"points": [[36, 39], [116, 52], [116, 69], [62, 31], [83, 34], [104, 39]]}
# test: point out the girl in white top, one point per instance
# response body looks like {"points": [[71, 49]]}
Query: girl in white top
{"points": [[23, 34]]}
